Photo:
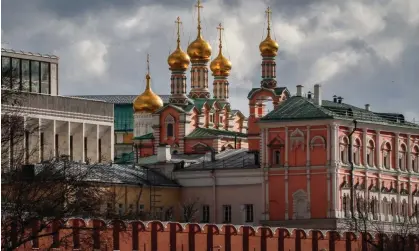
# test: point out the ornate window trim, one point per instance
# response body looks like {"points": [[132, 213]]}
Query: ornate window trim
{"points": [[301, 196], [314, 142], [297, 139], [386, 154]]}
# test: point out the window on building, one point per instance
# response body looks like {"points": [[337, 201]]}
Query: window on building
{"points": [[344, 145], [249, 212], [25, 75], [415, 158], [226, 213], [57, 152], [109, 208], [41, 142], [15, 74], [85, 149], [402, 157], [386, 155], [221, 119], [169, 130], [211, 118], [169, 121], [121, 209], [35, 76], [277, 157], [370, 153], [131, 209], [5, 72], [205, 214], [140, 209], [71, 147], [45, 78], [357, 152]]}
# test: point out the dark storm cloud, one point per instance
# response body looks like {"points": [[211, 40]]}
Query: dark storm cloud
{"points": [[367, 52]]}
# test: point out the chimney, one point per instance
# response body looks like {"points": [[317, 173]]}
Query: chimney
{"points": [[367, 107], [300, 90], [317, 95], [340, 100], [163, 153], [335, 99], [309, 95]]}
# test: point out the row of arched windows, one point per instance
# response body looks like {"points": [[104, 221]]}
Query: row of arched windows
{"points": [[386, 154]]}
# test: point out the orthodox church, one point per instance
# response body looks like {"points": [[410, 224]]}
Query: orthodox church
{"points": [[191, 122]]}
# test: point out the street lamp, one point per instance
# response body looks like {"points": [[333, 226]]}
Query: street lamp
{"points": [[351, 163]]}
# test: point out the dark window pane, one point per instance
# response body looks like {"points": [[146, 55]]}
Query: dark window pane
{"points": [[16, 73], [5, 72], [25, 75], [35, 76], [45, 78]]}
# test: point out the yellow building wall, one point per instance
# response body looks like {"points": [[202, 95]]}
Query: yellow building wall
{"points": [[127, 138], [131, 197]]}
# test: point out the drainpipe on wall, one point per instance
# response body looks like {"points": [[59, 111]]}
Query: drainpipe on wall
{"points": [[350, 153], [214, 195]]}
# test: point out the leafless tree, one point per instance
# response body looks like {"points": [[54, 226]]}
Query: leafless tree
{"points": [[398, 233], [189, 209]]}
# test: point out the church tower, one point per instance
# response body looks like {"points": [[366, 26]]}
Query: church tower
{"points": [[144, 106], [268, 50], [200, 53], [220, 68], [178, 63]]}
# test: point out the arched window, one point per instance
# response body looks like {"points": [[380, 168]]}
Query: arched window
{"points": [[357, 151], [370, 153], [385, 208], [402, 157], [344, 144], [169, 121], [404, 208], [277, 157], [393, 208], [415, 159], [386, 152]]}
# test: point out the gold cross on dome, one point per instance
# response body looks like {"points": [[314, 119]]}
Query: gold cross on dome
{"points": [[220, 28], [178, 22], [199, 7], [148, 64]]}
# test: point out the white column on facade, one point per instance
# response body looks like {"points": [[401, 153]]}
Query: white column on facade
{"points": [[380, 206], [328, 196], [83, 144], [39, 139], [112, 142], [334, 145], [396, 151], [410, 197], [409, 166], [364, 147], [55, 143], [328, 145], [378, 149], [286, 194], [309, 192], [335, 192], [25, 126], [308, 146], [68, 141], [97, 143], [265, 146], [286, 147]]}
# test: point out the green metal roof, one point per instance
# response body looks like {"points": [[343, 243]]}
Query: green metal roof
{"points": [[145, 136], [301, 108], [277, 90], [123, 117], [199, 133]]}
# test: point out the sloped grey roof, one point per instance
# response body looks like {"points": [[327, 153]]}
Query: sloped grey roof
{"points": [[116, 174], [119, 99]]}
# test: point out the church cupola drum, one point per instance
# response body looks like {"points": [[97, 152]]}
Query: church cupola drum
{"points": [[268, 50], [220, 68], [200, 53], [178, 63]]}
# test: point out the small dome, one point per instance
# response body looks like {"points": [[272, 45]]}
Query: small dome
{"points": [[199, 50], [268, 47], [220, 66], [148, 101], [178, 60]]}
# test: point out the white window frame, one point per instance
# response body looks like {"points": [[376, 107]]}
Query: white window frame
{"points": [[226, 213], [249, 213], [205, 214]]}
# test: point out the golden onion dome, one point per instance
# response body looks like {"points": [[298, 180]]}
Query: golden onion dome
{"points": [[268, 47], [148, 101], [199, 50], [178, 60], [220, 66]]}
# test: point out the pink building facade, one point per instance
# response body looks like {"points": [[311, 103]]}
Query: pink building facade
{"points": [[305, 149]]}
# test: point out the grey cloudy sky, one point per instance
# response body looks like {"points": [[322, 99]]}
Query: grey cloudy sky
{"points": [[365, 51]]}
